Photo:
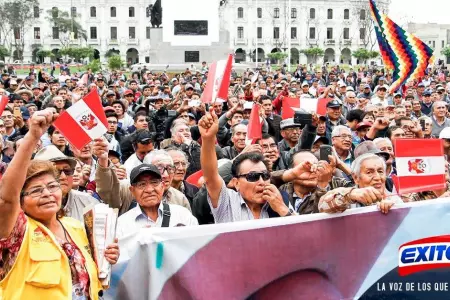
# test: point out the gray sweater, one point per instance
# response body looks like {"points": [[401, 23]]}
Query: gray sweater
{"points": [[438, 128]]}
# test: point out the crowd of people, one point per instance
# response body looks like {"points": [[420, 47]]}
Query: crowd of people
{"points": [[160, 135]]}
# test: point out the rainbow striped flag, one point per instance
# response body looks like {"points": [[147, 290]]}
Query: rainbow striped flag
{"points": [[407, 54]]}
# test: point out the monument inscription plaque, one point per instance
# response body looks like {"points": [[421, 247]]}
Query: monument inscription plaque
{"points": [[192, 56], [187, 27]]}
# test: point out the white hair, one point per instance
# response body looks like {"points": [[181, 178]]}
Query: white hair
{"points": [[356, 165], [337, 130], [177, 123], [160, 154], [349, 93], [379, 140]]}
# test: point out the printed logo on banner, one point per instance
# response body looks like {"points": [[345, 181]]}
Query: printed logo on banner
{"points": [[424, 254], [88, 121], [418, 166]]}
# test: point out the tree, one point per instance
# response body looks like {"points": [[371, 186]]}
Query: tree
{"points": [[446, 51], [277, 56], [42, 54], [94, 65], [115, 62], [111, 52], [4, 52], [78, 53], [363, 54], [313, 53], [67, 26], [373, 54], [17, 17], [282, 18]]}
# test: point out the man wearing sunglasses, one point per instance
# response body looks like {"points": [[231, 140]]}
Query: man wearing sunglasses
{"points": [[255, 198], [74, 201]]}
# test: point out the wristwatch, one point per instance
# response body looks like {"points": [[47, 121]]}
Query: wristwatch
{"points": [[291, 212]]}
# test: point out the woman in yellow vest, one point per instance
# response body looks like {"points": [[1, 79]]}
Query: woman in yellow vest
{"points": [[43, 254]]}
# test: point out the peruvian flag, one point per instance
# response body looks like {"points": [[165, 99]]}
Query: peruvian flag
{"points": [[254, 128], [218, 81], [3, 102], [420, 165], [318, 106], [84, 121]]}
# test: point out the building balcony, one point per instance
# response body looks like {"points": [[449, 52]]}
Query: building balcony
{"points": [[312, 42], [55, 41], [295, 41], [93, 41], [240, 41], [37, 42], [330, 42], [133, 41], [75, 42], [347, 42], [113, 42]]}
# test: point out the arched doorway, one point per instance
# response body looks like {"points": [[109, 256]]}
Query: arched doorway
{"points": [[239, 55], [274, 50], [261, 55], [132, 56], [56, 55], [17, 55], [295, 56], [96, 54], [346, 56], [329, 55], [34, 57]]}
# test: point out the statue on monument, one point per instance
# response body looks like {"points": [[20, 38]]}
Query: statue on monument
{"points": [[156, 14]]}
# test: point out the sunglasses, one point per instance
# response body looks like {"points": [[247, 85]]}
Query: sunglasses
{"points": [[67, 172], [254, 176]]}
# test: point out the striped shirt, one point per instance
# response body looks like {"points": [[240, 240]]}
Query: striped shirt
{"points": [[232, 207]]}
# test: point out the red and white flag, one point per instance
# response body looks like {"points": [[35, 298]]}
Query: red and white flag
{"points": [[318, 106], [84, 121], [420, 165], [3, 102], [218, 81], [254, 128]]}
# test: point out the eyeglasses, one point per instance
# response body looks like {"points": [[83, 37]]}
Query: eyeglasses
{"points": [[7, 117], [142, 185], [181, 165], [272, 146], [169, 169], [67, 172], [344, 136], [255, 176], [37, 192], [113, 122]]}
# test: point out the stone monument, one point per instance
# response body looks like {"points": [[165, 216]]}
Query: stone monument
{"points": [[189, 35]]}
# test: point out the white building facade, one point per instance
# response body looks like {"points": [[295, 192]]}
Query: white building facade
{"points": [[256, 27], [337, 26], [437, 36]]}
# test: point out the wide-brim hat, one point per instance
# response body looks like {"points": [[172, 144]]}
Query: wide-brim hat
{"points": [[53, 154]]}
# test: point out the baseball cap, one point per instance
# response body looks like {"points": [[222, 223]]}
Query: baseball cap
{"points": [[363, 125], [397, 95], [370, 147], [334, 103], [110, 93], [366, 86], [128, 92], [427, 93], [144, 137], [421, 85], [143, 169], [288, 123], [305, 83], [188, 86], [341, 84], [322, 139], [445, 133]]}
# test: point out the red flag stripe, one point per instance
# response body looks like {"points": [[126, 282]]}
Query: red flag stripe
{"points": [[207, 93], [287, 105], [93, 101], [225, 83], [254, 129], [72, 131], [413, 184], [418, 147], [4, 101]]}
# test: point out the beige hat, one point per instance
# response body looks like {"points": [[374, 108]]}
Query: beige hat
{"points": [[24, 91], [52, 153]]}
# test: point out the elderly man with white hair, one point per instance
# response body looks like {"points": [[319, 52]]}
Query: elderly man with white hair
{"points": [[369, 175], [341, 138], [350, 103], [438, 118]]}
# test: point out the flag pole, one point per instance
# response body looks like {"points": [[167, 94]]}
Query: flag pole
{"points": [[289, 35], [256, 39]]}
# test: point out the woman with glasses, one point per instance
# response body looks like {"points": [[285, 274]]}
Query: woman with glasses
{"points": [[44, 254]]}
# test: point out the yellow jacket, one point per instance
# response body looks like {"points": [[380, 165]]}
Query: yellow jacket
{"points": [[42, 270]]}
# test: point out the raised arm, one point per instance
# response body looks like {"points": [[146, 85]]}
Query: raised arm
{"points": [[208, 126], [14, 178]]}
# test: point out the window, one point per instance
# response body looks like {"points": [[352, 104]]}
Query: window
{"points": [[434, 44], [147, 59], [330, 14], [54, 12], [259, 32], [132, 32], [312, 13], [93, 32], [329, 33], [73, 12], [240, 13], [131, 12], [114, 33], [346, 14], [312, 32], [113, 12], [442, 45], [240, 31], [276, 13], [37, 33], [362, 33], [93, 12], [362, 14], [36, 11], [55, 33], [293, 32], [276, 32], [259, 12], [293, 13], [346, 33], [147, 32], [17, 33]]}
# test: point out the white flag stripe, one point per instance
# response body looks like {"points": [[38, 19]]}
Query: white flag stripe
{"points": [[310, 105], [255, 77], [433, 165], [80, 109], [220, 69]]}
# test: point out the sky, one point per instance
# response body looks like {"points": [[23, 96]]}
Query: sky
{"points": [[420, 11]]}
